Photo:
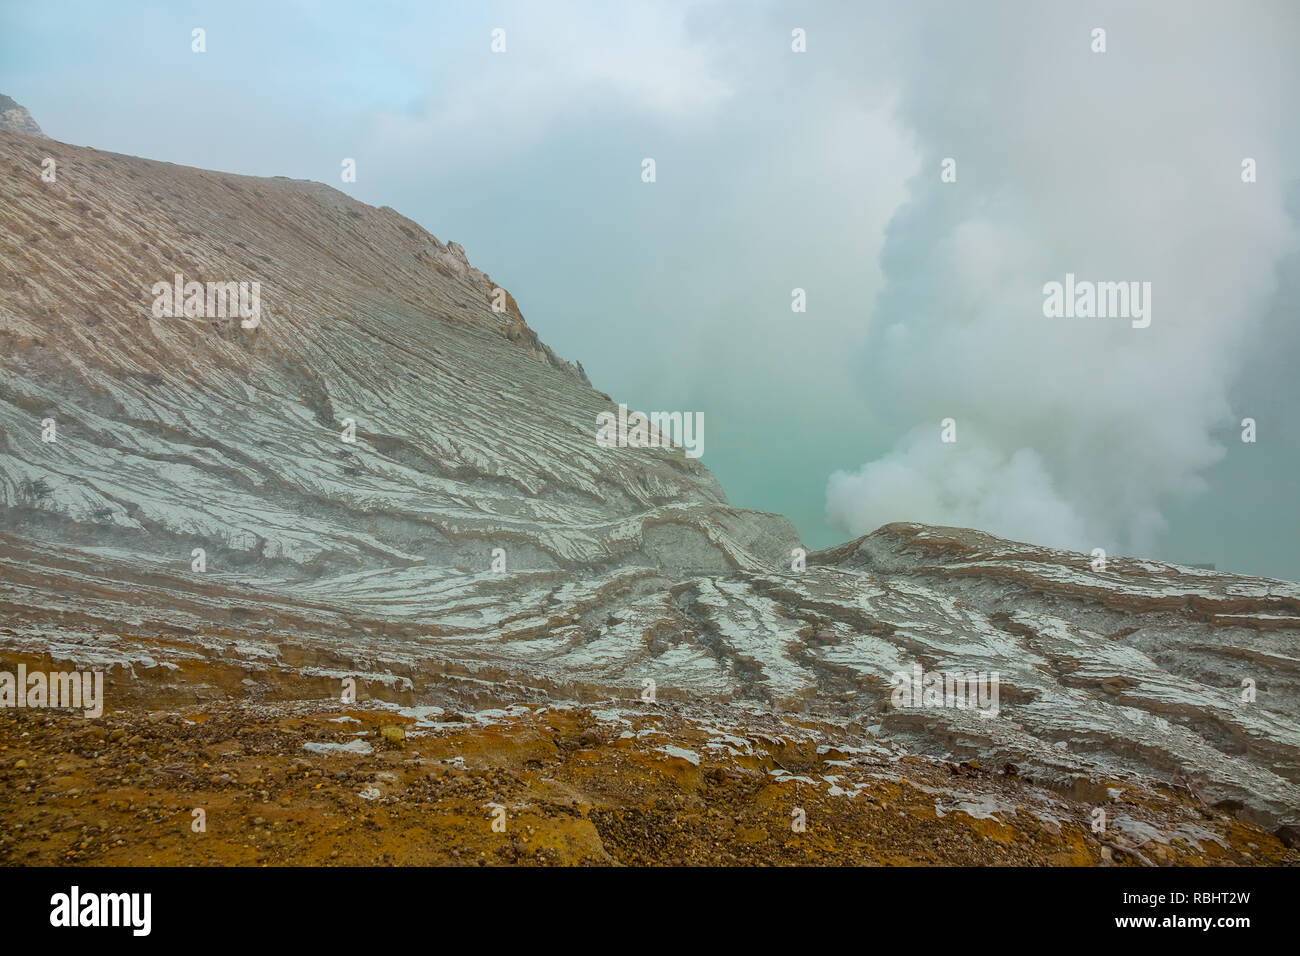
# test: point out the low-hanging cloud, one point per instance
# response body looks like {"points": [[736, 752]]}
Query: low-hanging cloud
{"points": [[1116, 166]]}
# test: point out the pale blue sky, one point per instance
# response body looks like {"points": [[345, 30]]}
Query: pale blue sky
{"points": [[779, 170]]}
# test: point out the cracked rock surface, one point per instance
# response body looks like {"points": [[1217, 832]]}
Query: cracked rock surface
{"points": [[373, 559]]}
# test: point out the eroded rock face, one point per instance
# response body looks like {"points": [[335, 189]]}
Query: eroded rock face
{"points": [[15, 119], [175, 432], [326, 558]]}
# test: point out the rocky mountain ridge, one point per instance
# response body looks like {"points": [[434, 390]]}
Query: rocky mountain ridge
{"points": [[475, 544], [15, 118]]}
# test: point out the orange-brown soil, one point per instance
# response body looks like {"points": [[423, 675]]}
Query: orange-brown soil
{"points": [[123, 790]]}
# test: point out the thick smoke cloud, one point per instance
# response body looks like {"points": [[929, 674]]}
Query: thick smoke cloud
{"points": [[1115, 166]]}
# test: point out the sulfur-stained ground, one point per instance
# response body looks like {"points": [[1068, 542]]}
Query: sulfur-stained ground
{"points": [[221, 784]]}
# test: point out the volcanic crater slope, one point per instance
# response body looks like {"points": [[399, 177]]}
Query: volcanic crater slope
{"points": [[374, 559]]}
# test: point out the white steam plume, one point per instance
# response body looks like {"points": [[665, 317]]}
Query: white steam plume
{"points": [[1116, 166]]}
